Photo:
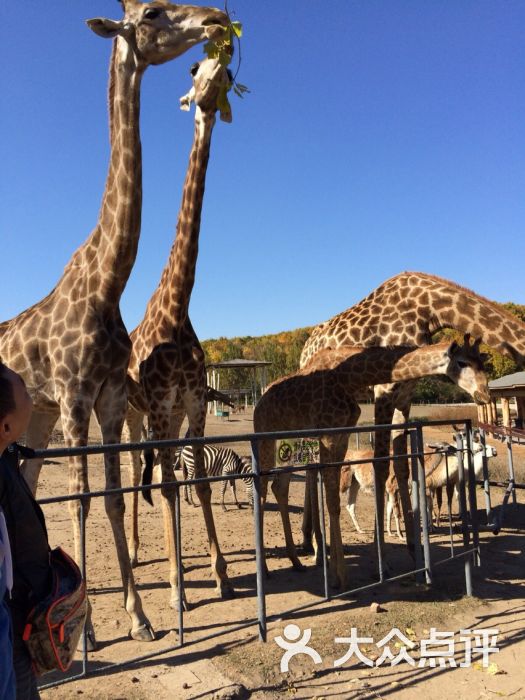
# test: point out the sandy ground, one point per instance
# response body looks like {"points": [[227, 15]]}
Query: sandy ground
{"points": [[215, 659]]}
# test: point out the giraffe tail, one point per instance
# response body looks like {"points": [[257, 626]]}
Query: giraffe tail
{"points": [[147, 474]]}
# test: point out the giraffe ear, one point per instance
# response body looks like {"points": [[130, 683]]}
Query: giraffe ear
{"points": [[106, 28]]}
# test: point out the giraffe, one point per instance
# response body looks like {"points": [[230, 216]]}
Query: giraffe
{"points": [[407, 309], [323, 395], [72, 348], [166, 374]]}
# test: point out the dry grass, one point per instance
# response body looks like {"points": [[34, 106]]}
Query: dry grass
{"points": [[459, 412]]}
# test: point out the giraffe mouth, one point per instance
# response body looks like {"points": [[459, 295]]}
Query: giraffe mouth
{"points": [[481, 397]]}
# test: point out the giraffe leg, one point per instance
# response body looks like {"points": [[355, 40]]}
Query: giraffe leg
{"points": [[75, 414], [334, 452], [266, 461], [110, 410], [436, 510], [397, 513], [196, 411], [402, 472], [307, 525], [160, 425], [353, 490], [389, 512], [132, 433], [383, 416], [281, 489], [37, 437]]}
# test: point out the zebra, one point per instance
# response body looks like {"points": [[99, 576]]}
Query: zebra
{"points": [[218, 461]]}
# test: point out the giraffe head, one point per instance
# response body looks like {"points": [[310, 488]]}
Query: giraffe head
{"points": [[159, 31], [211, 81], [466, 369]]}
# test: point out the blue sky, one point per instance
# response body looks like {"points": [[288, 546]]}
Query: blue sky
{"points": [[378, 137]]}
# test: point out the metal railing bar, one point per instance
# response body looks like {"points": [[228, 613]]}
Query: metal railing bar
{"points": [[218, 439], [472, 551], [417, 453]]}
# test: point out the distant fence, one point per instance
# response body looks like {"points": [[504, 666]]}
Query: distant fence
{"points": [[423, 565], [511, 437]]}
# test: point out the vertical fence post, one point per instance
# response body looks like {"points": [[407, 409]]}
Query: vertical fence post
{"points": [[379, 541], [449, 506], [473, 505], [416, 506], [83, 572], [486, 484], [511, 466], [259, 545], [423, 502], [320, 501], [180, 574], [463, 512]]}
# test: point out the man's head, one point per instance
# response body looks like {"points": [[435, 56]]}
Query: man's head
{"points": [[15, 406]]}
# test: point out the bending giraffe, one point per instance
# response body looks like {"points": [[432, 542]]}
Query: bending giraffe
{"points": [[323, 395], [72, 348], [167, 374], [407, 310]]}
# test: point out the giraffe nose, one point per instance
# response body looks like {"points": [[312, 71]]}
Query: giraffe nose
{"points": [[481, 397]]}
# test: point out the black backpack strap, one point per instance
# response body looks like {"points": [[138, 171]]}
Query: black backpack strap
{"points": [[16, 450]]}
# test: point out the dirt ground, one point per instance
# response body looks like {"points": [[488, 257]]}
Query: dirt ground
{"points": [[217, 661]]}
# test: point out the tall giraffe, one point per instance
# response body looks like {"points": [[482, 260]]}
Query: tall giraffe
{"points": [[323, 395], [408, 309], [72, 348], [166, 374]]}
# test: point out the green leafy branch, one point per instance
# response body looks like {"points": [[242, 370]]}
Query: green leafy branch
{"points": [[222, 49]]}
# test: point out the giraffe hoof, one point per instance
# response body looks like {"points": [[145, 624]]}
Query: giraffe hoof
{"points": [[307, 547], [225, 590], [91, 642], [143, 633], [174, 604]]}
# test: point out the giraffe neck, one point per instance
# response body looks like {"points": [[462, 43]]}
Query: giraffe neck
{"points": [[454, 307], [108, 255], [408, 308], [385, 365], [421, 362], [168, 307]]}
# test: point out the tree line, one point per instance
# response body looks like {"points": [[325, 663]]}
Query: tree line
{"points": [[283, 350]]}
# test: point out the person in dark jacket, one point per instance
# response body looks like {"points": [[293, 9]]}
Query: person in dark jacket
{"points": [[7, 671], [25, 526]]}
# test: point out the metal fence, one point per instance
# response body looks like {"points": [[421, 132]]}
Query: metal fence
{"points": [[511, 437], [423, 569]]}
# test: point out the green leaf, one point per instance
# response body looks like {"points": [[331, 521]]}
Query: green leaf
{"points": [[210, 49], [223, 104], [237, 29]]}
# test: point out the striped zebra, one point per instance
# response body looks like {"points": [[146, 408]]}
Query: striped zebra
{"points": [[218, 461]]}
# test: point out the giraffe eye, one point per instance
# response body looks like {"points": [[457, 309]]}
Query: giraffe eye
{"points": [[151, 13], [195, 69], [462, 365]]}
